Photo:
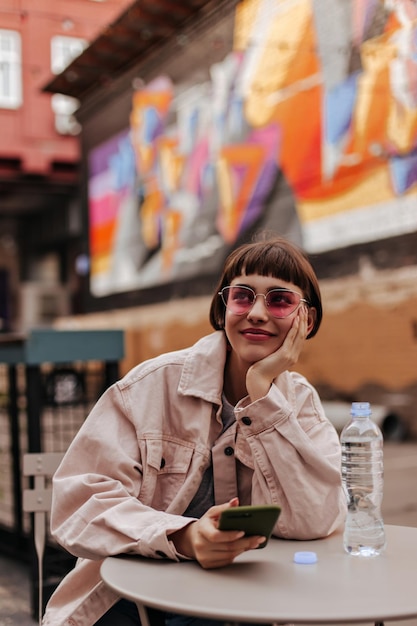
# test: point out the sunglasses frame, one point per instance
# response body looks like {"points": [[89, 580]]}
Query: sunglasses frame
{"points": [[264, 295]]}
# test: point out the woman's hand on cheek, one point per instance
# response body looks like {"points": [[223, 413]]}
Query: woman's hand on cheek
{"points": [[211, 547], [261, 374]]}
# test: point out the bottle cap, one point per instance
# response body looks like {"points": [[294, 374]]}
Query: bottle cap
{"points": [[360, 409], [305, 558]]}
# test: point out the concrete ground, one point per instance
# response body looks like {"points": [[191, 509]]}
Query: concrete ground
{"points": [[14, 594], [400, 507]]}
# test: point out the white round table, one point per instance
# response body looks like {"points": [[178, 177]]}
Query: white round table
{"points": [[266, 586]]}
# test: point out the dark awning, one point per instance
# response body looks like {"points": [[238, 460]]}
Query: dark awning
{"points": [[145, 25]]}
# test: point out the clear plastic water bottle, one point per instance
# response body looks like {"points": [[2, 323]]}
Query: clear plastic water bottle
{"points": [[363, 482]]}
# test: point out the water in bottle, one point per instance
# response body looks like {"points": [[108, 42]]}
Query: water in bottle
{"points": [[363, 478]]}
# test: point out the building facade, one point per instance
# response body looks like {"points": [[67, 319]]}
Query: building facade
{"points": [[40, 154]]}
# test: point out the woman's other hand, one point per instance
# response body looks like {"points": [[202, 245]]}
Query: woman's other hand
{"points": [[261, 374]]}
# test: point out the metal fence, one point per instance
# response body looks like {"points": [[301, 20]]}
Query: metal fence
{"points": [[69, 391], [49, 382]]}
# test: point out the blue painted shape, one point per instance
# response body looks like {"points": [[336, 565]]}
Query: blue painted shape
{"points": [[339, 104]]}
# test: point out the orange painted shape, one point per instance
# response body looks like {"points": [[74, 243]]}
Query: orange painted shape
{"points": [[151, 216], [101, 237], [170, 240]]}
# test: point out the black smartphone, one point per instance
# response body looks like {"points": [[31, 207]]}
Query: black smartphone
{"points": [[253, 519]]}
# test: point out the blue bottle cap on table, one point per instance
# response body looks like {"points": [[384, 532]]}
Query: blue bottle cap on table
{"points": [[305, 558]]}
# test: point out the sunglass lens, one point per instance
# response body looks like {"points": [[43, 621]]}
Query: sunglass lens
{"points": [[239, 299], [282, 302]]}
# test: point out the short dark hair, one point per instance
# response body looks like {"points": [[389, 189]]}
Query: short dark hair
{"points": [[275, 257]]}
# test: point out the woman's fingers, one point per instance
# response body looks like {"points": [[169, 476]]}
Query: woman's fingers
{"points": [[216, 548]]}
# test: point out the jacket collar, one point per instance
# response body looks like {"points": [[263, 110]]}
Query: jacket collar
{"points": [[203, 370]]}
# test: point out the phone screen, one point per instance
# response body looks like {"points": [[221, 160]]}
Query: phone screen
{"points": [[253, 520]]}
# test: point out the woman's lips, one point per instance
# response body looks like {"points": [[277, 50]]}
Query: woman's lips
{"points": [[256, 334]]}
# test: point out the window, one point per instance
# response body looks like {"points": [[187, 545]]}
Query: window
{"points": [[10, 69], [63, 51]]}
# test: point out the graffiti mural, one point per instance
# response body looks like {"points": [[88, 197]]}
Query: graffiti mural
{"points": [[308, 126]]}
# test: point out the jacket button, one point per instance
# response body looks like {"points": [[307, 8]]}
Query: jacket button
{"points": [[247, 420], [161, 554], [162, 463], [228, 451]]}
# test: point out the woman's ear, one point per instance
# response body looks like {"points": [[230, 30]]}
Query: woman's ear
{"points": [[311, 319]]}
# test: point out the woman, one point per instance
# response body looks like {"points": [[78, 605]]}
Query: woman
{"points": [[190, 433]]}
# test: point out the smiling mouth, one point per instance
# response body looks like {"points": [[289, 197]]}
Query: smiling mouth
{"points": [[257, 332]]}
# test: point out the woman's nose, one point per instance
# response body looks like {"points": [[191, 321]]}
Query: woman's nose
{"points": [[259, 309]]}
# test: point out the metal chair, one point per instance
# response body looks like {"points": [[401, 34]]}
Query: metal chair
{"points": [[37, 500]]}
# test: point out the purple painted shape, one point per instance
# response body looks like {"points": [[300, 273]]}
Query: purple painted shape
{"points": [[263, 187], [99, 157], [270, 138], [196, 163]]}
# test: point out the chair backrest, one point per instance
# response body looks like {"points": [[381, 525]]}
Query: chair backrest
{"points": [[37, 500]]}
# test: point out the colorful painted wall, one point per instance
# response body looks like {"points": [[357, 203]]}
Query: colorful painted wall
{"points": [[319, 93]]}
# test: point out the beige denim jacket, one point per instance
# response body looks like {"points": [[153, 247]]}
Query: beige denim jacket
{"points": [[138, 460]]}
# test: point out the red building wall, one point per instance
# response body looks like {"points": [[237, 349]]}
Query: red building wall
{"points": [[28, 133]]}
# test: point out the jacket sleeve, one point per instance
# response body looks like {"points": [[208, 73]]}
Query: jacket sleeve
{"points": [[95, 507], [295, 454]]}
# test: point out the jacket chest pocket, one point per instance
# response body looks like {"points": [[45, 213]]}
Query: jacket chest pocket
{"points": [[165, 469]]}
